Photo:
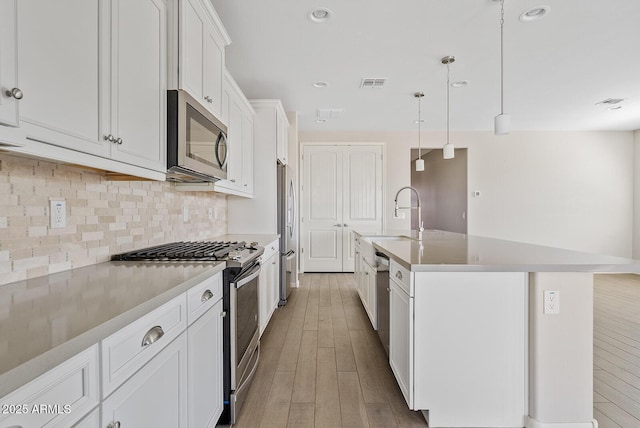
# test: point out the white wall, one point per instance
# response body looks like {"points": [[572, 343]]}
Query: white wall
{"points": [[636, 195], [564, 189]]}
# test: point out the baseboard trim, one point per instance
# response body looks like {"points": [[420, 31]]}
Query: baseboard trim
{"points": [[532, 423]]}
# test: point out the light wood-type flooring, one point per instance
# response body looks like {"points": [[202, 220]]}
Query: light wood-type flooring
{"points": [[322, 365], [616, 351]]}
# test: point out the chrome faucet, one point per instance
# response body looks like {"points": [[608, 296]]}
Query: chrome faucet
{"points": [[419, 208]]}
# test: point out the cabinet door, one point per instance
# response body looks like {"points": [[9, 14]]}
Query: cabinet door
{"points": [[281, 138], [263, 296], [275, 282], [156, 396], [234, 143], [205, 369], [247, 153], [8, 60], [139, 84], [192, 39], [212, 73], [401, 340], [63, 53]]}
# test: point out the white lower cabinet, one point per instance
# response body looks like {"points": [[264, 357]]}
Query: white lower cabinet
{"points": [[401, 339], [156, 396], [92, 420], [205, 369], [269, 284], [57, 399]]}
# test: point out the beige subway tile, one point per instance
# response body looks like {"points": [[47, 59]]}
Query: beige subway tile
{"points": [[4, 223], [37, 271], [36, 231], [8, 199], [69, 230], [30, 263], [5, 267], [92, 236], [38, 210], [59, 267]]}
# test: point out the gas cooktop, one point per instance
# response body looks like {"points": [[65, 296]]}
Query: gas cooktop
{"points": [[232, 252]]}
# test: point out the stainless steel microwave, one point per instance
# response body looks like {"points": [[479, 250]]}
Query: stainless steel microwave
{"points": [[196, 141]]}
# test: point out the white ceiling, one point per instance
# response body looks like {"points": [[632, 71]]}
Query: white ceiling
{"points": [[556, 68]]}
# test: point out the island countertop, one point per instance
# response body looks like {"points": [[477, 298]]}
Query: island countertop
{"points": [[441, 251]]}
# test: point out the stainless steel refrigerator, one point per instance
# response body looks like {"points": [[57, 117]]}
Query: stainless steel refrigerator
{"points": [[287, 231]]}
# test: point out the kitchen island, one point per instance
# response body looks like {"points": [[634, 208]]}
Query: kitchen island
{"points": [[472, 342]]}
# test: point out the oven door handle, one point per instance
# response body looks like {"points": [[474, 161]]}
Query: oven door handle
{"points": [[248, 277]]}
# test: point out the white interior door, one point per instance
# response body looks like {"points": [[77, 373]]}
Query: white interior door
{"points": [[322, 240], [342, 191], [362, 196]]}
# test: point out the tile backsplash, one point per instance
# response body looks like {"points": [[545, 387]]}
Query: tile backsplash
{"points": [[103, 217]]}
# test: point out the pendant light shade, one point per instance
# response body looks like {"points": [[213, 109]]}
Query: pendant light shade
{"points": [[448, 151], [502, 122], [419, 161]]}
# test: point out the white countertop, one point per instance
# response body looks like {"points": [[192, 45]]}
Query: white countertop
{"points": [[441, 251], [45, 321]]}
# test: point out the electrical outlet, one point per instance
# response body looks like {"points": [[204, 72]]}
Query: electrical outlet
{"points": [[551, 302], [58, 213], [210, 213], [185, 214]]}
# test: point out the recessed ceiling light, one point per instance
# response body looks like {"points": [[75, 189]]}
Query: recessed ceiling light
{"points": [[418, 121], [534, 13], [459, 84], [319, 15], [320, 84]]}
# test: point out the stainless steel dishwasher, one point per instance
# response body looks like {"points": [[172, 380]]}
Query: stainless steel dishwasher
{"points": [[382, 290]]}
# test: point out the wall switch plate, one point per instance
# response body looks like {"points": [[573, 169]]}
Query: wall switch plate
{"points": [[58, 213], [185, 214], [210, 213], [551, 302]]}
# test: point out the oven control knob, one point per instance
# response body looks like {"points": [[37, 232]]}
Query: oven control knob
{"points": [[253, 245], [234, 255]]}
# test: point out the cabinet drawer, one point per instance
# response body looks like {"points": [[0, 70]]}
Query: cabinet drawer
{"points": [[58, 398], [270, 249], [401, 276], [203, 296], [124, 352]]}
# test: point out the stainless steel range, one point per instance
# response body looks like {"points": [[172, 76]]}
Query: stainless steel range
{"points": [[240, 301]]}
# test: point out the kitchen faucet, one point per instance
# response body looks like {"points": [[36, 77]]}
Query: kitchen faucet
{"points": [[419, 208]]}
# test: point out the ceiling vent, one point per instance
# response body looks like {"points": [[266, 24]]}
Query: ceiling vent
{"points": [[610, 101], [373, 83], [329, 113]]}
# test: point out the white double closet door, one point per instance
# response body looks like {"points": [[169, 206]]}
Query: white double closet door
{"points": [[342, 191]]}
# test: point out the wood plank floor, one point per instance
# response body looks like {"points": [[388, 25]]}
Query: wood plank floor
{"points": [[322, 365], [616, 351]]}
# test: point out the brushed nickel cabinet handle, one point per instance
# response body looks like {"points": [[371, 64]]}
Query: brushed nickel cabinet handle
{"points": [[152, 335], [115, 424], [118, 140], [206, 296], [14, 93], [399, 275], [109, 138]]}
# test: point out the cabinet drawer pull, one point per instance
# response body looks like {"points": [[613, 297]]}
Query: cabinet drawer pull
{"points": [[233, 180], [109, 138], [206, 296], [223, 314], [115, 424], [14, 93], [118, 140], [399, 275], [388, 289], [152, 335]]}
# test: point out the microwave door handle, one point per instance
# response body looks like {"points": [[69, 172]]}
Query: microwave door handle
{"points": [[250, 276]]}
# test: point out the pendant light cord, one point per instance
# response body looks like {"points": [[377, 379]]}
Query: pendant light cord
{"points": [[501, 56], [419, 126], [447, 103]]}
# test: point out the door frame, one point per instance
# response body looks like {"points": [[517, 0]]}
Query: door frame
{"points": [[300, 214]]}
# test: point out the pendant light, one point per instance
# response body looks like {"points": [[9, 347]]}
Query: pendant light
{"points": [[448, 151], [419, 161], [502, 122]]}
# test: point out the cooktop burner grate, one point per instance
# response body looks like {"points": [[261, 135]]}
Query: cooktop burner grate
{"points": [[199, 250]]}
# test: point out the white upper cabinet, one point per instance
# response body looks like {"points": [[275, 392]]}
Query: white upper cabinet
{"points": [[62, 55], [10, 93], [202, 40], [92, 76], [282, 136], [247, 153], [138, 109]]}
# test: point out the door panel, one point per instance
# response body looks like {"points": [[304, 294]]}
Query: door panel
{"points": [[342, 192], [322, 217]]}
